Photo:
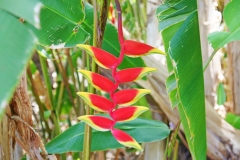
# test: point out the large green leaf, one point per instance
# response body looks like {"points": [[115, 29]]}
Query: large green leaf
{"points": [[61, 24], [29, 10], [110, 40], [231, 14], [141, 129], [180, 32], [233, 119], [16, 47], [171, 86]]}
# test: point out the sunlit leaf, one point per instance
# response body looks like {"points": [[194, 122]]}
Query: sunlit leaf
{"points": [[63, 28], [179, 26], [230, 14]]}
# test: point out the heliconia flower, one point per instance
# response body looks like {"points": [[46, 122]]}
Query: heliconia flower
{"points": [[129, 96], [128, 113], [136, 49], [97, 122], [111, 14], [125, 139], [101, 57], [96, 102], [98, 81], [133, 74]]}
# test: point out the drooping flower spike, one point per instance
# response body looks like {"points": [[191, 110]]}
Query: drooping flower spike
{"points": [[118, 98]]}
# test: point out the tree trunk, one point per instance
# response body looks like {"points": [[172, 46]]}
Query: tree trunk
{"points": [[223, 140], [16, 127], [207, 22], [154, 150], [234, 74]]}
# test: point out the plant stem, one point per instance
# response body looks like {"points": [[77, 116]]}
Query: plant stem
{"points": [[104, 6], [88, 129], [98, 32], [49, 89], [60, 95], [210, 59], [65, 80], [72, 69], [82, 87], [139, 13]]}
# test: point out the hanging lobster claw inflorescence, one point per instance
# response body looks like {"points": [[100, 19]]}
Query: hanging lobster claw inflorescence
{"points": [[123, 98]]}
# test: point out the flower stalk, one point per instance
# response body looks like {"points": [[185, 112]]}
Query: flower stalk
{"points": [[119, 106]]}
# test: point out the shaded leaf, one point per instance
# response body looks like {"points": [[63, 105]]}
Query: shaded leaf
{"points": [[140, 129], [28, 10], [15, 53]]}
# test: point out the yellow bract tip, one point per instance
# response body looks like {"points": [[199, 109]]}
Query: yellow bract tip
{"points": [[155, 50]]}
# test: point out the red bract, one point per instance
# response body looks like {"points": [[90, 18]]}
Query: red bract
{"points": [[97, 102], [128, 113], [97, 122], [125, 139], [98, 81], [122, 97], [129, 96], [133, 74], [136, 49], [101, 57]]}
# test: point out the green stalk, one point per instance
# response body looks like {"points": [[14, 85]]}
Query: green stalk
{"points": [[175, 150], [60, 95], [50, 94], [65, 80], [88, 129], [139, 15], [72, 69], [210, 59], [82, 87], [97, 42]]}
